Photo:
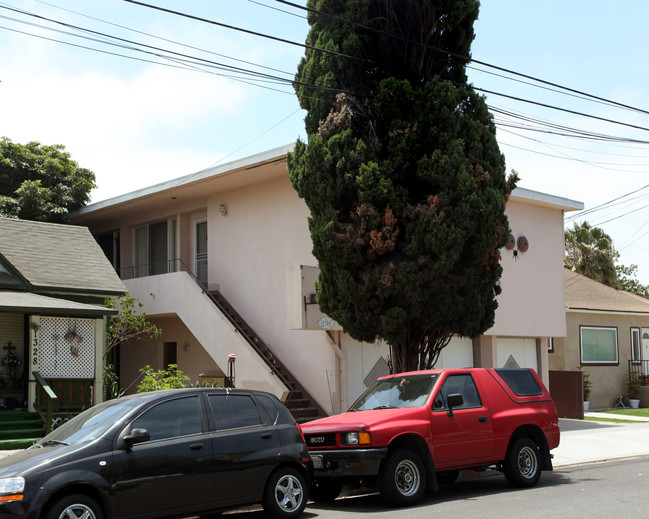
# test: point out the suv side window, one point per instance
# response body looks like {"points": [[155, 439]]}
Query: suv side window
{"points": [[172, 418], [462, 384], [234, 411]]}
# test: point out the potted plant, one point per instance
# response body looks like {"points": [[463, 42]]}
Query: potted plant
{"points": [[587, 386], [633, 388]]}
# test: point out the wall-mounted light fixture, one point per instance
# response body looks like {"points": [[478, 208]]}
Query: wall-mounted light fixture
{"points": [[223, 210], [521, 244]]}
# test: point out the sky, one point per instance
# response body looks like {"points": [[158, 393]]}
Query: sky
{"points": [[139, 118]]}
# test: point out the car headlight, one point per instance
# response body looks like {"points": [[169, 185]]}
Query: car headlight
{"points": [[11, 489], [357, 438]]}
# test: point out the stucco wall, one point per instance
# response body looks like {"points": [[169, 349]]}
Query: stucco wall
{"points": [[532, 300], [250, 251], [609, 381]]}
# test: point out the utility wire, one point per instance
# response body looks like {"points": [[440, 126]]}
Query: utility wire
{"points": [[355, 58], [465, 59]]}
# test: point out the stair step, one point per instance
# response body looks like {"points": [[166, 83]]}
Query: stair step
{"points": [[21, 433], [20, 424], [23, 443], [297, 403], [301, 406], [304, 411], [12, 415]]}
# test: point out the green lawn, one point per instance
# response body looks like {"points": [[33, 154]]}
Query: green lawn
{"points": [[630, 412], [611, 420]]}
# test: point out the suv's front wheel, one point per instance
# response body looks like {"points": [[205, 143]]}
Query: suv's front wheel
{"points": [[402, 479]]}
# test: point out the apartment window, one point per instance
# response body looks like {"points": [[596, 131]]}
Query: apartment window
{"points": [[550, 344], [154, 248], [598, 345], [635, 345], [201, 252]]}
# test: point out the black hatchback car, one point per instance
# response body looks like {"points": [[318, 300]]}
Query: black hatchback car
{"points": [[165, 453]]}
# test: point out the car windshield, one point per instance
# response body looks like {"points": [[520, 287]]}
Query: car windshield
{"points": [[388, 393], [90, 424]]}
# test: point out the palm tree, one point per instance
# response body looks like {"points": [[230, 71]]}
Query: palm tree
{"points": [[590, 251]]}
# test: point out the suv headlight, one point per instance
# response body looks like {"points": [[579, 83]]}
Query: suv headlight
{"points": [[356, 438], [11, 488]]}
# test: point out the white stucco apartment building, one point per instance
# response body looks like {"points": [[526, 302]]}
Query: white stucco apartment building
{"points": [[239, 232]]}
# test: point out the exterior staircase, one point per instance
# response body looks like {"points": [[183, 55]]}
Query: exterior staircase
{"points": [[299, 402], [19, 429]]}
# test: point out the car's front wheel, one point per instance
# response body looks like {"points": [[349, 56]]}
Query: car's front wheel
{"points": [[74, 506], [522, 467], [285, 494], [402, 480]]}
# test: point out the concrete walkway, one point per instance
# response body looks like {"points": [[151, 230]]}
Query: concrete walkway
{"points": [[586, 441]]}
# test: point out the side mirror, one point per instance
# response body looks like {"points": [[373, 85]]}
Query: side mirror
{"points": [[454, 400], [136, 436]]}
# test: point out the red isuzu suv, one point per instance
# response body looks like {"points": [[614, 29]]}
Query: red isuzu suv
{"points": [[412, 431]]}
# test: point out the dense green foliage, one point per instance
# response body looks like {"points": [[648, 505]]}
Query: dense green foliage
{"points": [[590, 251], [41, 182], [402, 175], [169, 378]]}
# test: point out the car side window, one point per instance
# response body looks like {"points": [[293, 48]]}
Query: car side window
{"points": [[462, 384], [234, 411], [172, 418]]}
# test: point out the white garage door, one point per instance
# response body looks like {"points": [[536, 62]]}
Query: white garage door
{"points": [[458, 354], [513, 353]]}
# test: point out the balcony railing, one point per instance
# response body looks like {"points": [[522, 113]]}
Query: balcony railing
{"points": [[154, 268]]}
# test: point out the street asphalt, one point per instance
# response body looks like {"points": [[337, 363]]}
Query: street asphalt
{"points": [[586, 441]]}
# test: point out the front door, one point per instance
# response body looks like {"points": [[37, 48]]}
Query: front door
{"points": [[171, 472], [645, 351], [467, 435]]}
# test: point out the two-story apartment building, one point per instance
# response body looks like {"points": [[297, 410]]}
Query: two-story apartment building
{"points": [[221, 260]]}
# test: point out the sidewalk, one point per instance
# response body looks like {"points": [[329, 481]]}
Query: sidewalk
{"points": [[585, 441]]}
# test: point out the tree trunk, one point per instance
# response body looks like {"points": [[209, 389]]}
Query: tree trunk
{"points": [[420, 354]]}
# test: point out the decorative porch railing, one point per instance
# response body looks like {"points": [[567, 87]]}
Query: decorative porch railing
{"points": [[61, 398], [640, 369]]}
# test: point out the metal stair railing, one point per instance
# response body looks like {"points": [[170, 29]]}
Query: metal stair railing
{"points": [[272, 361]]}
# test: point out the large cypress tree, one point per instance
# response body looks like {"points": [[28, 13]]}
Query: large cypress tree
{"points": [[402, 174]]}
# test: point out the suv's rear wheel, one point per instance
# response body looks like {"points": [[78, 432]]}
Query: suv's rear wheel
{"points": [[402, 480], [285, 494], [522, 467], [74, 506]]}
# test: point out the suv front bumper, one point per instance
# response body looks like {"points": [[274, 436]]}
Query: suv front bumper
{"points": [[348, 462]]}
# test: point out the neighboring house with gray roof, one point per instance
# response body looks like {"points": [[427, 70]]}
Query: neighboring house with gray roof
{"points": [[54, 280], [607, 334]]}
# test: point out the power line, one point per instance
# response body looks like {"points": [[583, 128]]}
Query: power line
{"points": [[467, 59]]}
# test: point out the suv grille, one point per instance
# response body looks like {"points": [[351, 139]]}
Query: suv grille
{"points": [[320, 440]]}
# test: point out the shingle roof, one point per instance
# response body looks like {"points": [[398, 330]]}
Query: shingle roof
{"points": [[583, 293], [59, 256], [15, 301]]}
